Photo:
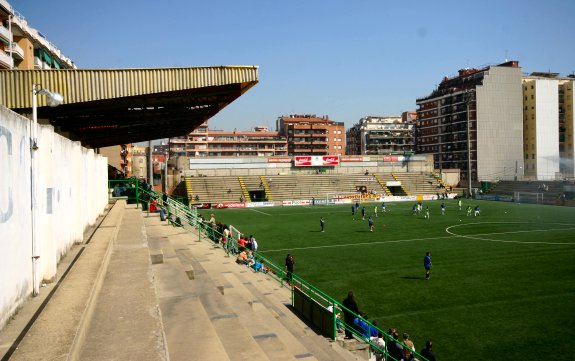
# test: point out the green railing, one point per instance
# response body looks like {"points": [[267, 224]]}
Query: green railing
{"points": [[181, 215]]}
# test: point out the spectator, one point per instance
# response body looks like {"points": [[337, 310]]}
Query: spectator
{"points": [[427, 352], [408, 349], [394, 349], [254, 244], [361, 326], [349, 312], [379, 349], [289, 268]]}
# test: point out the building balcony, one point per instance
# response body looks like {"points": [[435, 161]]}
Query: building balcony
{"points": [[17, 51], [5, 35], [6, 62]]}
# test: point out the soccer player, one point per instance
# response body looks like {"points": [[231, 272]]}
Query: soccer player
{"points": [[427, 265], [363, 213], [459, 203], [414, 209], [427, 212], [468, 211], [383, 207], [375, 211], [370, 221], [353, 211], [321, 223], [477, 211], [442, 208]]}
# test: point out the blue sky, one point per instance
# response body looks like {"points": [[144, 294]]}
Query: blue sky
{"points": [[344, 59]]}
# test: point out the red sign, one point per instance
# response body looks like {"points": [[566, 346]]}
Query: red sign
{"points": [[330, 160], [390, 158], [303, 161], [316, 160], [230, 205]]}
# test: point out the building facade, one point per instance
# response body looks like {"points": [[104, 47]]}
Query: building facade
{"points": [[374, 135], [311, 135], [24, 47], [204, 142], [474, 122], [548, 126]]}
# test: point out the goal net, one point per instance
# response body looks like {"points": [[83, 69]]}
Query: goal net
{"points": [[527, 197]]}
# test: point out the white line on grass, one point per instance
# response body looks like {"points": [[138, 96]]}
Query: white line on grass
{"points": [[475, 236], [255, 210], [356, 244]]}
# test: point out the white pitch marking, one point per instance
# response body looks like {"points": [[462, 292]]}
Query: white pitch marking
{"points": [[475, 236], [356, 244], [255, 210]]}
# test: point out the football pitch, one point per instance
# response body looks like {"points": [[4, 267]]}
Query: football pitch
{"points": [[502, 285]]}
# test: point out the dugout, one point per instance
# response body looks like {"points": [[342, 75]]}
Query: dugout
{"points": [[313, 312]]}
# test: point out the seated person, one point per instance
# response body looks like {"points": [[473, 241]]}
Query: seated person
{"points": [[155, 209], [245, 257]]}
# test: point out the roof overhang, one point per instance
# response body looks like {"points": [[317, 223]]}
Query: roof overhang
{"points": [[110, 107]]}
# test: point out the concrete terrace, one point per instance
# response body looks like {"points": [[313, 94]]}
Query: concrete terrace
{"points": [[141, 289]]}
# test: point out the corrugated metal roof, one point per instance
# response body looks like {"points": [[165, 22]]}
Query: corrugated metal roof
{"points": [[84, 85], [119, 106]]}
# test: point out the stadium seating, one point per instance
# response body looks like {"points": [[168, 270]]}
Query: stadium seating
{"points": [[307, 186], [419, 183]]}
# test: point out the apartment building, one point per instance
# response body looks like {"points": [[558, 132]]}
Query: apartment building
{"points": [[375, 135], [204, 142], [548, 126], [24, 47], [474, 122], [312, 135]]}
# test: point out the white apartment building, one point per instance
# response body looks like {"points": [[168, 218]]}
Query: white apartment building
{"points": [[548, 126], [375, 135]]}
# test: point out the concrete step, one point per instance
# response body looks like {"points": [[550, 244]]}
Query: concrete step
{"points": [[134, 317], [267, 294], [211, 312]]}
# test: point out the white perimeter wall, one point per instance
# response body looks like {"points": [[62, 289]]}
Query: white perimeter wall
{"points": [[70, 191], [546, 128]]}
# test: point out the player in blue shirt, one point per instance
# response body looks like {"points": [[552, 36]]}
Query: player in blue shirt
{"points": [[427, 265], [370, 221]]}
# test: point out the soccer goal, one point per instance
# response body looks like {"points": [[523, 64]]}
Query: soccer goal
{"points": [[528, 197]]}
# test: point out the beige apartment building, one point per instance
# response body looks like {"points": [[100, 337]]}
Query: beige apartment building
{"points": [[24, 47]]}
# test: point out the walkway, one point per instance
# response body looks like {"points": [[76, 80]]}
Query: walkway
{"points": [[140, 289]]}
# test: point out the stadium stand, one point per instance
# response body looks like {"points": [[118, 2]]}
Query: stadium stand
{"points": [[419, 183], [307, 186]]}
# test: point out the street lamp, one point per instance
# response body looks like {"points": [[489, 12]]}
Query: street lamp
{"points": [[53, 100]]}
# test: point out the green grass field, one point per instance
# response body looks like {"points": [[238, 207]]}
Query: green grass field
{"points": [[502, 285]]}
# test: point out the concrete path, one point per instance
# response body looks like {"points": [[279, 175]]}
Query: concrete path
{"points": [[141, 289]]}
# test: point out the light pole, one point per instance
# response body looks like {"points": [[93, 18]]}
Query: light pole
{"points": [[53, 100], [468, 98]]}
